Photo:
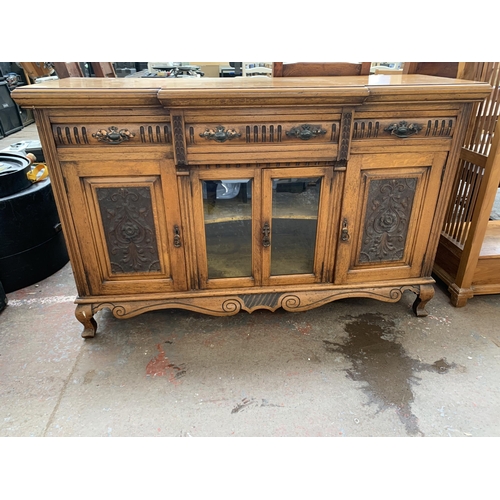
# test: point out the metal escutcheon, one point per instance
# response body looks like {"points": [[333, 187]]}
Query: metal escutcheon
{"points": [[266, 232]]}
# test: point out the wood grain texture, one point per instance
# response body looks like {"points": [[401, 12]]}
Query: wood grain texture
{"points": [[327, 203]]}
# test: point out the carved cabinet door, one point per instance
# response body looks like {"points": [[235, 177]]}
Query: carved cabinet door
{"points": [[127, 224], [387, 215]]}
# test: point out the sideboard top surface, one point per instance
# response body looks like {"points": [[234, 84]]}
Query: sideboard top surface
{"points": [[181, 92]]}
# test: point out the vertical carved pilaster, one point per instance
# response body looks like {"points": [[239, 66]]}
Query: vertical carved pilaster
{"points": [[179, 140], [345, 136]]}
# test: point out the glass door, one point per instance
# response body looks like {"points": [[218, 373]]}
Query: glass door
{"points": [[294, 227], [227, 218]]}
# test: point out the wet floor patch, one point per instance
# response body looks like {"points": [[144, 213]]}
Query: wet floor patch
{"points": [[379, 361]]}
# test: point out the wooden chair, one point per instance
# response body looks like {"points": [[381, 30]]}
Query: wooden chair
{"points": [[103, 69], [384, 70], [34, 70], [68, 69], [256, 70], [281, 69], [73, 69], [462, 70], [446, 69]]}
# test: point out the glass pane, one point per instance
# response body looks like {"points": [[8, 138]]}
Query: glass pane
{"points": [[295, 217], [227, 210]]}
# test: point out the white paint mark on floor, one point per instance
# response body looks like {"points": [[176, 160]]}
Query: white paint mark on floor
{"points": [[57, 299]]}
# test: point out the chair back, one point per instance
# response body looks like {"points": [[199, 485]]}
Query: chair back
{"points": [[281, 69]]}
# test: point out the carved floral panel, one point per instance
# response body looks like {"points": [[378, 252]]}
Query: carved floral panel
{"points": [[387, 217], [128, 222]]}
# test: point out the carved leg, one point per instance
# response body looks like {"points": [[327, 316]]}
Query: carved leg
{"points": [[425, 294], [85, 315]]}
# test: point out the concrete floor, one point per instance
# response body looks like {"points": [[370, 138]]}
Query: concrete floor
{"points": [[354, 368]]}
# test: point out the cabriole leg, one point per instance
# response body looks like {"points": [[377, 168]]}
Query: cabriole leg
{"points": [[85, 316], [425, 294]]}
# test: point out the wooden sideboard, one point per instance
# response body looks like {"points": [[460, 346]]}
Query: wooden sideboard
{"points": [[222, 195]]}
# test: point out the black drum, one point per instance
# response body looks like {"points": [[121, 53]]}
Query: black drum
{"points": [[32, 246], [14, 170], [3, 298]]}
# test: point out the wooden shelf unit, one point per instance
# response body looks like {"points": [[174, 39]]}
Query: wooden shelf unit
{"points": [[468, 255]]}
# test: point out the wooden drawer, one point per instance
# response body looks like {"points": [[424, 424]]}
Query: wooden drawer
{"points": [[111, 133], [397, 128], [210, 135], [247, 140]]}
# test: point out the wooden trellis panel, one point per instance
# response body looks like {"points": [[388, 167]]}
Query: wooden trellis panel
{"points": [[462, 260]]}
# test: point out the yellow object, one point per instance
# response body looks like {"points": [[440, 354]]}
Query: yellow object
{"points": [[38, 173]]}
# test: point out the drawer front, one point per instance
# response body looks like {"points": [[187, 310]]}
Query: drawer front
{"points": [[112, 134], [225, 135], [395, 129]]}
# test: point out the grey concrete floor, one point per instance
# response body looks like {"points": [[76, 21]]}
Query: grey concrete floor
{"points": [[353, 368]]}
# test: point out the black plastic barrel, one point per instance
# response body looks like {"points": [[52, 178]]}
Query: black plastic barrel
{"points": [[32, 246], [13, 173], [3, 298]]}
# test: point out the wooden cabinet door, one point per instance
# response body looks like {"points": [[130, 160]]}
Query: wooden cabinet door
{"points": [[259, 226], [227, 212], [294, 231], [387, 214], [128, 225]]}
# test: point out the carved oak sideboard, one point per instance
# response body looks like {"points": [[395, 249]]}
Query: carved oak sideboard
{"points": [[222, 195]]}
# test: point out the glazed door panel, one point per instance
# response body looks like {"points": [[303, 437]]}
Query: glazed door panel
{"points": [[295, 214], [387, 213], [128, 226], [261, 226], [227, 213]]}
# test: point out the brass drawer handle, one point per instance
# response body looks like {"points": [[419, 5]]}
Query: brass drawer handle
{"points": [[403, 129], [306, 131], [220, 134], [113, 135]]}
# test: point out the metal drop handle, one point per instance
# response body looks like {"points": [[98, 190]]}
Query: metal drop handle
{"points": [[220, 134], [113, 135], [403, 129], [306, 131]]}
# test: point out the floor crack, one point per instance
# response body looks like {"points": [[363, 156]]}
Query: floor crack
{"points": [[63, 390]]}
